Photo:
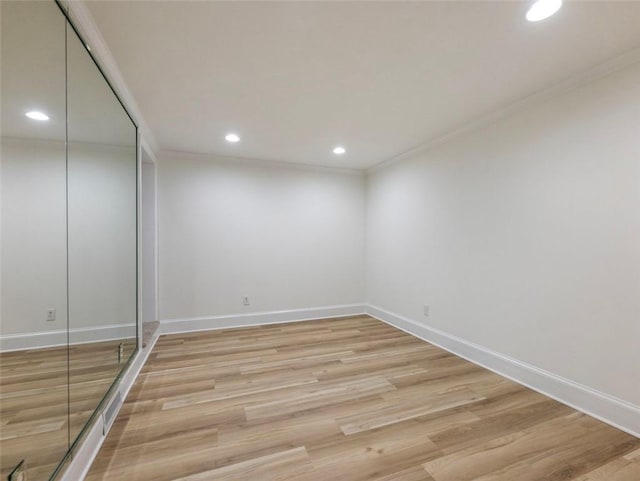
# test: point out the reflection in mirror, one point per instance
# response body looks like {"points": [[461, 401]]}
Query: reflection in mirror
{"points": [[102, 262], [33, 313], [68, 172]]}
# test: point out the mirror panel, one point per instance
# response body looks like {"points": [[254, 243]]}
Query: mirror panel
{"points": [[68, 260], [102, 235], [33, 352]]}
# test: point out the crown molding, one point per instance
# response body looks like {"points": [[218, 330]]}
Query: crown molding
{"points": [[149, 150], [253, 162], [573, 82], [79, 12]]}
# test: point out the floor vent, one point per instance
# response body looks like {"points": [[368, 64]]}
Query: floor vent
{"points": [[109, 413]]}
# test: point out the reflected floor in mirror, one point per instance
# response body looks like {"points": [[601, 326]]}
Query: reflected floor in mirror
{"points": [[34, 389]]}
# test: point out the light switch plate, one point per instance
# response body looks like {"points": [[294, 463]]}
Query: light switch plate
{"points": [[19, 473]]}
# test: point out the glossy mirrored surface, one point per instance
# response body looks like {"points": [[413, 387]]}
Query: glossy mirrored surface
{"points": [[68, 171], [33, 352], [102, 181]]}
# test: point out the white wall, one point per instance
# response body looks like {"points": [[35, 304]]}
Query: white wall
{"points": [[524, 236], [287, 237]]}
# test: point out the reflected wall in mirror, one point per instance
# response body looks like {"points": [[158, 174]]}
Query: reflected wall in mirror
{"points": [[102, 190], [68, 299], [33, 358]]}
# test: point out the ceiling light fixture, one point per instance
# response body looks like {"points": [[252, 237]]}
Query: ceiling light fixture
{"points": [[542, 9], [35, 115], [232, 138], [339, 150]]}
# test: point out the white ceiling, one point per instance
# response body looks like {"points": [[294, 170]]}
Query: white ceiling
{"points": [[294, 79]]}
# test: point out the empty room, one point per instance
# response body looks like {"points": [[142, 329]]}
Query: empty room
{"points": [[320, 240]]}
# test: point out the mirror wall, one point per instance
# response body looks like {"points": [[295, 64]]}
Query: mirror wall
{"points": [[101, 227], [68, 256]]}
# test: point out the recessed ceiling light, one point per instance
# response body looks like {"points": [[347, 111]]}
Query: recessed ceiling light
{"points": [[35, 115], [339, 150], [232, 138], [542, 9]]}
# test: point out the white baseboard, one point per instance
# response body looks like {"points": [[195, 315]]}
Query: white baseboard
{"points": [[173, 326], [41, 340], [83, 457], [611, 410]]}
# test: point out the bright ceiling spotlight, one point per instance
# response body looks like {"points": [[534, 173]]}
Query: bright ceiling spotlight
{"points": [[542, 9], [339, 150], [35, 115], [232, 138]]}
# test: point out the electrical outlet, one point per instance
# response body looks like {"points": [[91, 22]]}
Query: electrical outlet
{"points": [[245, 301], [425, 310], [19, 473], [51, 315]]}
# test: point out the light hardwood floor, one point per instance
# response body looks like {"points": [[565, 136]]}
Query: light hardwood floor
{"points": [[345, 399], [47, 396]]}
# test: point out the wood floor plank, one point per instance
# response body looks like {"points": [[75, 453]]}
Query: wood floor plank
{"points": [[539, 452], [320, 396], [394, 412], [349, 399], [272, 467]]}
